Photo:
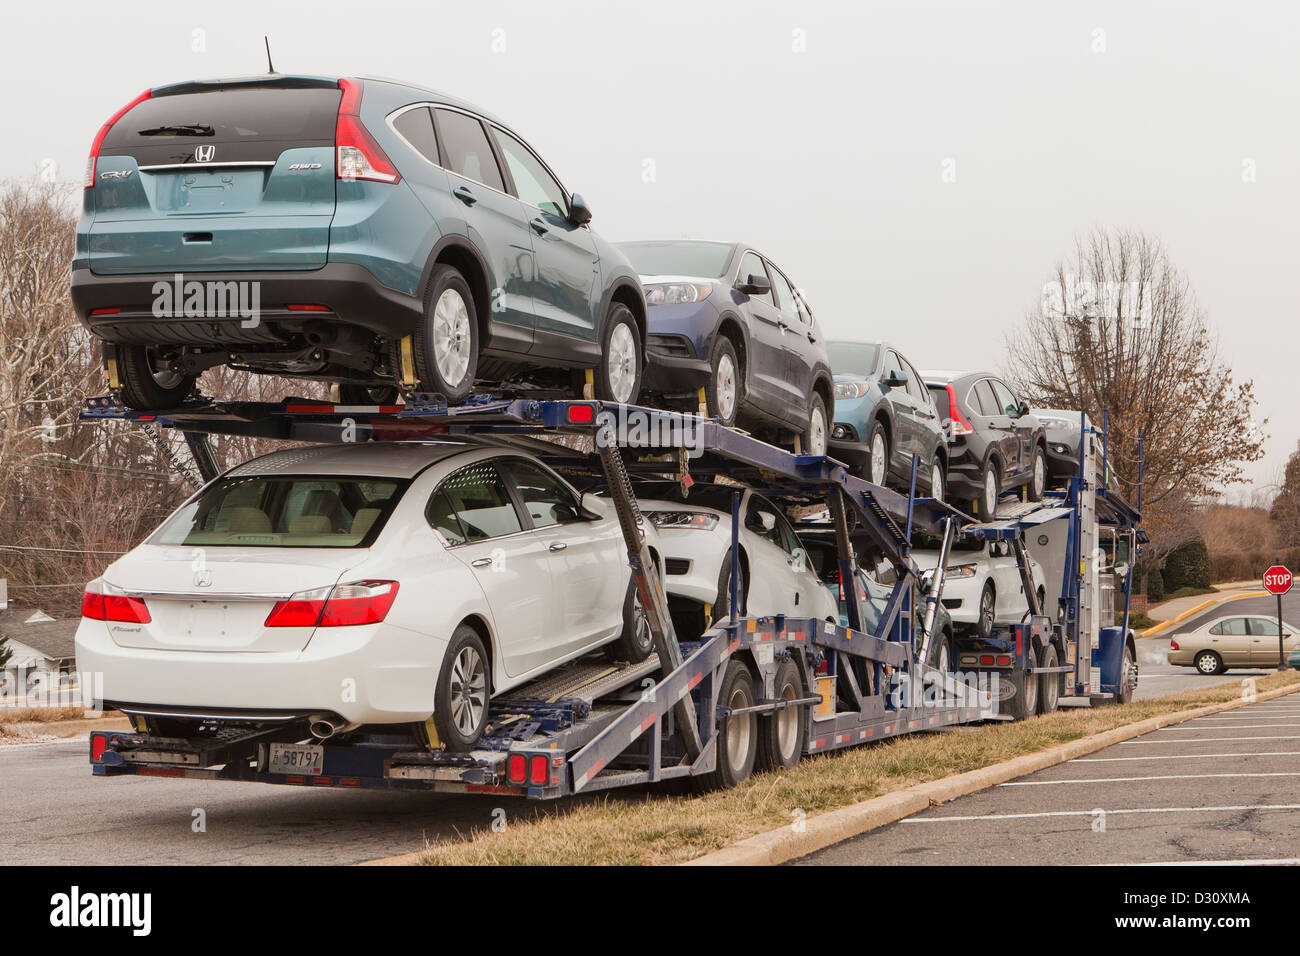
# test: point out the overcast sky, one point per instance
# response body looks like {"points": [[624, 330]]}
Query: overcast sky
{"points": [[818, 131]]}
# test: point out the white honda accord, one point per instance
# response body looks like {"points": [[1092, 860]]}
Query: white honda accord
{"points": [[381, 583], [695, 537]]}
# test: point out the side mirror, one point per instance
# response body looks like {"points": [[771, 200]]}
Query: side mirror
{"points": [[761, 522], [579, 211], [1023, 409], [591, 507], [755, 285], [896, 379]]}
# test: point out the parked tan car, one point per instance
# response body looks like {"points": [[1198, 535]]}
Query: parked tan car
{"points": [[1242, 641]]}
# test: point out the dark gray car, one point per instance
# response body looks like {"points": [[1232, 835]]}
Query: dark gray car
{"points": [[995, 444]]}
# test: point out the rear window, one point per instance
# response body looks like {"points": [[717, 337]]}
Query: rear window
{"points": [[284, 512], [242, 124], [940, 395], [705, 260], [853, 358]]}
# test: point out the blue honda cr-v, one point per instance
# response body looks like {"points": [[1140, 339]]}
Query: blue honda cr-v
{"points": [[368, 233]]}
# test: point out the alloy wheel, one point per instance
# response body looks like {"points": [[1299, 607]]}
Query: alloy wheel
{"points": [[724, 386], [468, 690], [621, 362], [451, 337], [816, 432], [878, 453]]}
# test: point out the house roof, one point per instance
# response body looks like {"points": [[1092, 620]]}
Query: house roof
{"points": [[54, 639]]}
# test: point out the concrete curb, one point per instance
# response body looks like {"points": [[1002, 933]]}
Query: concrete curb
{"points": [[834, 826], [1153, 631]]}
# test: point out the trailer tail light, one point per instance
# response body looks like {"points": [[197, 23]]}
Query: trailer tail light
{"points": [[581, 414], [1004, 660], [960, 426], [98, 603], [986, 660], [362, 602], [517, 769], [98, 744], [358, 155], [93, 159], [539, 770]]}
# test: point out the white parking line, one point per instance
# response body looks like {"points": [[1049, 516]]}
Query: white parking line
{"points": [[1202, 740], [1171, 776], [1089, 813], [1276, 753], [1285, 861], [1235, 727]]}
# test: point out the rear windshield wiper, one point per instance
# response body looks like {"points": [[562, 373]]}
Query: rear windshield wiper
{"points": [[191, 129]]}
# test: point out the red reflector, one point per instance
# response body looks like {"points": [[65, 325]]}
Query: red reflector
{"points": [[299, 307], [539, 771], [987, 660], [98, 744], [1004, 660], [113, 311], [582, 414], [517, 768]]}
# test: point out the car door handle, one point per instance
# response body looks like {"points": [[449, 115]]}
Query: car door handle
{"points": [[465, 195], [558, 546], [539, 226], [481, 563]]}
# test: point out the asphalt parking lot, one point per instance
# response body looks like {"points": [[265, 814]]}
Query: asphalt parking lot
{"points": [[1218, 789]]}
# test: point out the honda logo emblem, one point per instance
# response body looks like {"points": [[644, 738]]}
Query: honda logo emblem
{"points": [[203, 154], [203, 579]]}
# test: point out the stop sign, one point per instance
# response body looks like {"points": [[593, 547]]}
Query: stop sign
{"points": [[1277, 580]]}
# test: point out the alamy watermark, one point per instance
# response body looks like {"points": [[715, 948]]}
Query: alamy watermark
{"points": [[1079, 296], [209, 299], [637, 429]]}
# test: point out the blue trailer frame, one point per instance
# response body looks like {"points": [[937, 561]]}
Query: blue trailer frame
{"points": [[618, 727]]}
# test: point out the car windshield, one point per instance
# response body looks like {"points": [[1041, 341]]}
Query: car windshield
{"points": [[707, 260], [853, 358], [284, 512], [714, 497]]}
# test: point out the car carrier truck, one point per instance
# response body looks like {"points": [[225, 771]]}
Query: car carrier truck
{"points": [[746, 692]]}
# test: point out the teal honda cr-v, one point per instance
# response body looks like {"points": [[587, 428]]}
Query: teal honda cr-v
{"points": [[361, 232]]}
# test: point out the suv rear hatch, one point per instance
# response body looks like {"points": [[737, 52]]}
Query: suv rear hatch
{"points": [[222, 176]]}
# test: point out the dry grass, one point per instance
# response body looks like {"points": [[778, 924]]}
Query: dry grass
{"points": [[39, 715], [651, 826]]}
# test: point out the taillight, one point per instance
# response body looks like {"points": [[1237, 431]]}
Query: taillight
{"points": [[1004, 660], [103, 131], [358, 155], [364, 602], [1173, 645], [100, 604], [98, 744], [581, 414], [960, 426], [986, 660], [305, 307], [539, 770], [517, 769], [534, 769]]}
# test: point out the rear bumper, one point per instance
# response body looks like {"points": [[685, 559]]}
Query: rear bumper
{"points": [[392, 674], [352, 294]]}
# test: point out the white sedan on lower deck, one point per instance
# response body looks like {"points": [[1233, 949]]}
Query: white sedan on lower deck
{"points": [[362, 584], [982, 584], [695, 538]]}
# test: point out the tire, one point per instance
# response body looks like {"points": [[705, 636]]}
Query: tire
{"points": [[1127, 668], [1049, 685], [350, 394], [938, 483], [445, 344], [986, 505], [722, 606], [636, 643], [1024, 702], [943, 654], [1208, 662], [877, 465], [737, 741], [725, 388], [987, 611], [813, 439], [1037, 475], [781, 735], [145, 386], [618, 377], [460, 703]]}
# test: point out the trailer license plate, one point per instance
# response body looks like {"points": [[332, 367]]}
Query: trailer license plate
{"points": [[297, 758]]}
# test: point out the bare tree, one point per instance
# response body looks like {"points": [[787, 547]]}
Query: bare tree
{"points": [[1285, 511], [1118, 330]]}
